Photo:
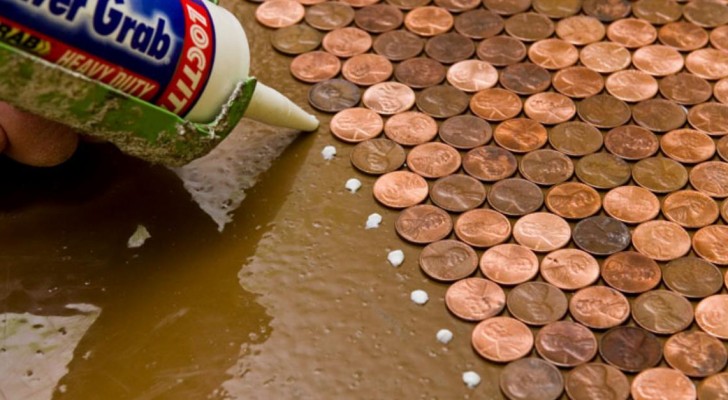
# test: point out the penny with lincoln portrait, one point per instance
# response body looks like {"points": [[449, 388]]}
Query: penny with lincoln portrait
{"points": [[537, 303], [630, 348], [662, 383], [596, 380], [502, 339], [354, 125], [377, 156], [410, 128], [400, 189], [569, 269], [713, 387], [601, 235], [692, 277], [575, 138], [531, 378], [662, 312], [423, 224], [482, 228], [509, 264], [546, 167], [661, 240], [457, 193], [465, 132], [449, 260], [599, 307], [631, 204], [695, 353], [515, 197], [433, 160], [566, 343], [578, 82], [711, 314], [489, 163], [603, 170], [475, 299], [573, 200], [690, 209], [710, 243], [631, 272], [542, 232]]}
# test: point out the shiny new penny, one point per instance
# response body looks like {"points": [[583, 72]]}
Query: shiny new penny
{"points": [[279, 13], [546, 167], [603, 170], [531, 378], [389, 98], [711, 118], [296, 39], [713, 387], [578, 82], [502, 339], [450, 47], [315, 66], [553, 54], [482, 228], [355, 125], [711, 178], [631, 272], [434, 160], [442, 101], [478, 24], [658, 60], [581, 30], [631, 142], [329, 15], [720, 90], [515, 197], [630, 348], [507, 7], [377, 156], [711, 314], [420, 72], [475, 299], [501, 50], [347, 42], [472, 75], [631, 85], [489, 163], [566, 344], [659, 115], [683, 36], [661, 240], [695, 353], [573, 200], [711, 64], [529, 26], [607, 10], [457, 193], [423, 224], [400, 189], [604, 111], [509, 264], [549, 108], [367, 69], [429, 21], [525, 78], [710, 243], [599, 307], [719, 38], [605, 57], [378, 18], [658, 12], [334, 95], [398, 45], [542, 232], [410, 128], [569, 269], [687, 146], [632, 32], [662, 312], [449, 260], [557, 8], [662, 383], [537, 303], [465, 132], [496, 104], [596, 380], [690, 209], [601, 235], [685, 88], [631, 204], [575, 138], [520, 135], [660, 174], [692, 277], [706, 13]]}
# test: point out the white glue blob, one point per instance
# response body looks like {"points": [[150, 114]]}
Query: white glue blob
{"points": [[444, 336], [373, 221], [353, 185], [419, 297], [328, 152], [396, 258], [471, 379]]}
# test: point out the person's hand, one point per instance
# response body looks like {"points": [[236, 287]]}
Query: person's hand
{"points": [[33, 140]]}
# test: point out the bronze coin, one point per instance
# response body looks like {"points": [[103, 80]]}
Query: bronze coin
{"points": [[566, 344], [515, 197], [520, 135], [630, 348], [553, 54], [529, 26], [296, 39], [557, 8], [599, 307], [367, 69], [489, 163], [420, 72], [720, 90], [710, 243], [631, 32], [531, 378], [423, 224], [660, 174], [400, 189], [449, 48], [315, 66], [546, 167], [329, 15], [692, 277], [509, 264], [603, 170], [408, 4], [631, 142], [684, 88], [713, 387], [549, 108], [428, 21], [279, 13], [442, 101], [631, 272], [662, 383], [683, 36], [410, 128], [659, 115], [472, 75], [378, 18], [657, 12], [687, 146], [690, 209], [360, 3], [482, 228], [581, 30], [457, 6], [631, 85], [724, 211], [502, 339], [661, 240], [434, 160], [495, 104], [719, 38], [449, 261], [573, 200], [525, 78], [607, 10], [601, 235], [507, 7], [662, 312], [631, 204], [501, 50], [542, 232], [711, 118], [347, 42], [398, 45], [658, 60], [711, 315], [711, 178], [711, 64], [537, 303], [457, 193], [388, 98], [478, 24], [334, 95], [575, 138], [355, 125], [695, 353], [578, 82], [596, 380], [569, 269], [465, 132], [377, 156], [706, 13], [604, 111], [605, 57], [475, 299]]}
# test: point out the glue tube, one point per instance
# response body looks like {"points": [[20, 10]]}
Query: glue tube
{"points": [[186, 56]]}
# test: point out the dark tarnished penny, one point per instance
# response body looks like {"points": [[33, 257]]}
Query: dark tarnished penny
{"points": [[631, 142], [631, 85], [501, 50], [529, 26], [687, 146], [599, 307], [605, 57], [537, 303], [420, 72], [296, 39], [478, 24], [315, 66], [355, 125], [660, 174], [378, 18], [662, 383], [658, 60], [659, 115], [557, 8], [580, 30], [434, 160], [706, 13], [607, 10], [566, 344], [631, 204], [410, 128], [502, 339], [367, 69], [684, 36], [496, 104], [465, 132], [449, 48], [690, 209], [662, 312], [442, 101], [630, 348], [457, 193], [695, 353], [475, 299], [423, 224], [569, 269], [377, 156], [711, 178], [631, 32], [509, 264], [604, 111], [400, 189], [542, 232], [686, 89], [546, 167], [531, 378], [573, 200], [482, 228], [389, 98], [489, 163], [661, 240], [692, 277], [708, 63], [520, 135], [398, 45], [329, 15], [711, 314], [658, 12], [713, 387], [578, 82], [346, 42], [525, 78], [507, 7], [575, 138], [449, 260], [515, 197], [601, 235], [472, 75], [631, 272], [597, 381], [549, 108], [603, 170], [334, 95], [428, 21], [553, 54], [711, 118], [710, 243]]}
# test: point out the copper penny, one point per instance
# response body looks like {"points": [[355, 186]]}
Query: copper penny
{"points": [[719, 38], [525, 78], [607, 10], [355, 125], [604, 111], [605, 57], [410, 128], [603, 170], [515, 197], [478, 24], [684, 88], [695, 353], [489, 163], [531, 378], [569, 269], [711, 64], [367, 69], [578, 82], [553, 54], [581, 30], [711, 178], [457, 193], [502, 339], [420, 72], [400, 189], [710, 243], [573, 200], [630, 348], [692, 277], [501, 50], [434, 160], [662, 383], [722, 147], [566, 344], [549, 108], [465, 132], [378, 18], [546, 167], [529, 26], [720, 90], [442, 101], [658, 60], [658, 12], [711, 118], [596, 380], [449, 260], [334, 95], [687, 146], [423, 224], [631, 272], [683, 36], [660, 174], [315, 66], [360, 3], [507, 7], [472, 75], [347, 42], [575, 138], [457, 6], [520, 135], [662, 312], [713, 387], [482, 228], [449, 48], [377, 156], [631, 204], [495, 104], [601, 235], [631, 85], [711, 314], [296, 39], [557, 8], [408, 4], [537, 303], [398, 45], [389, 98], [542, 232], [690, 209], [724, 211], [429, 21], [706, 13], [631, 32], [659, 115], [329, 15], [475, 299], [599, 307], [509, 264], [279, 13], [661, 240]]}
